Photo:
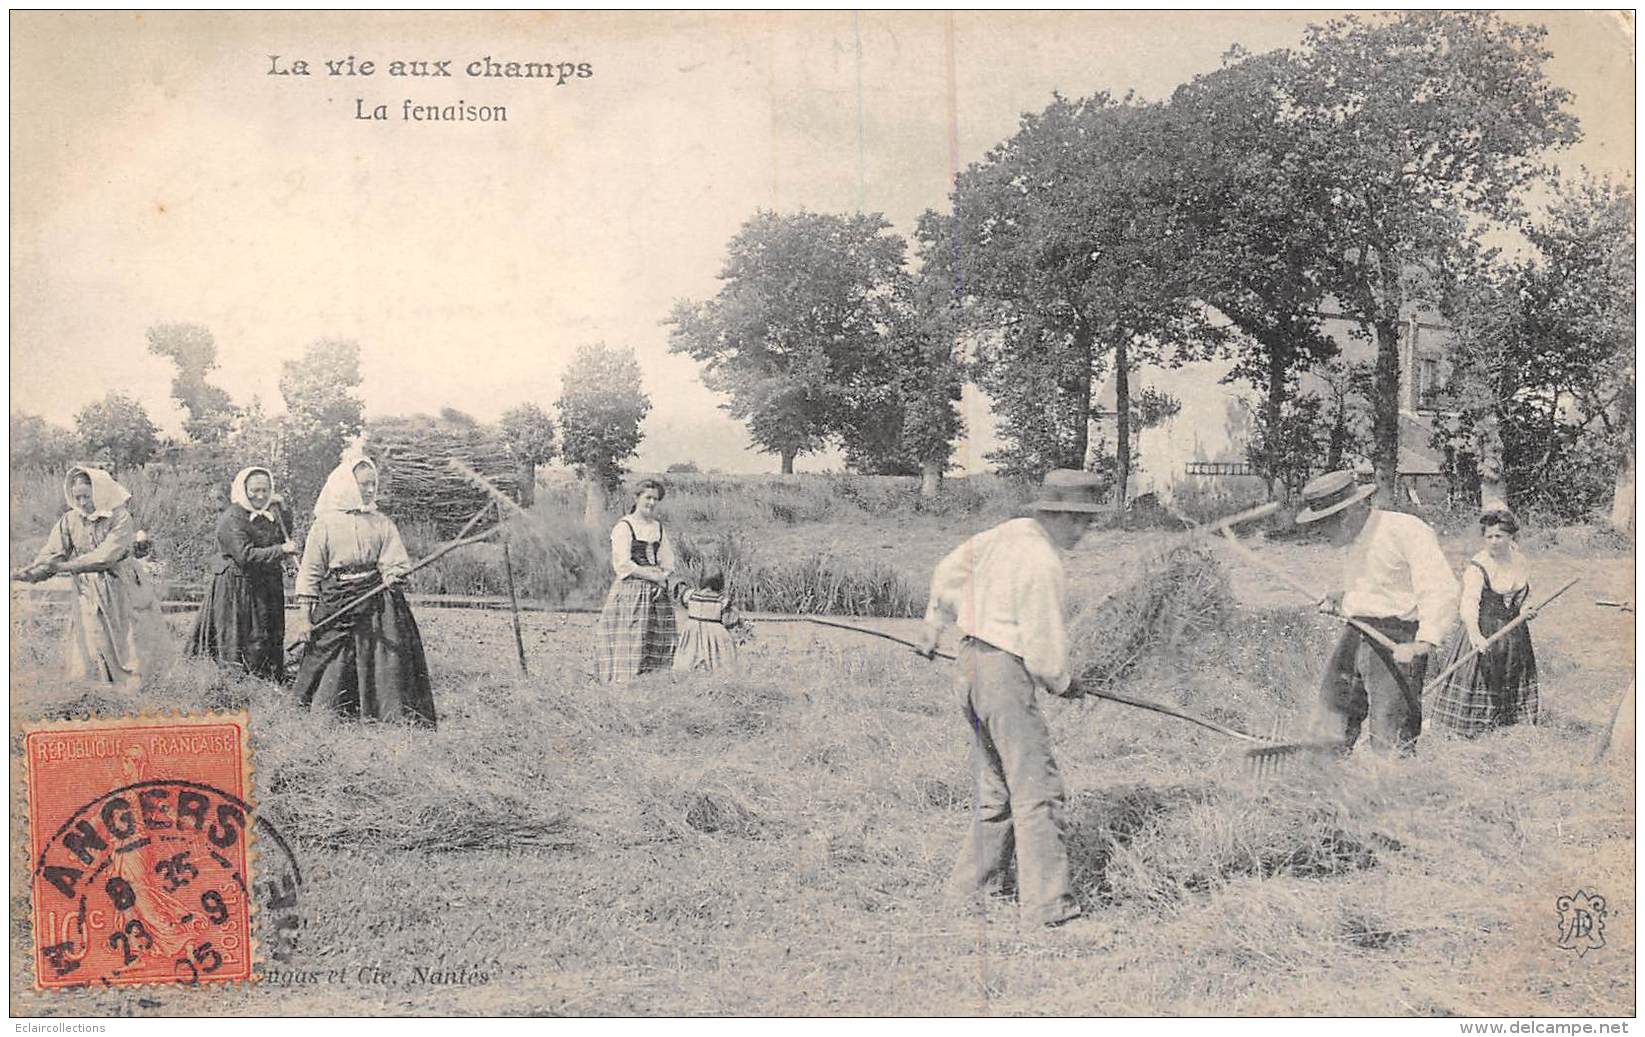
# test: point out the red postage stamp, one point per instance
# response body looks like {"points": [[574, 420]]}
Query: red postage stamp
{"points": [[140, 845]]}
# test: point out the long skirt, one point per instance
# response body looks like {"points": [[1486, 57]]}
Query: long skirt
{"points": [[1495, 688], [705, 644], [242, 623], [370, 662], [115, 633], [636, 631]]}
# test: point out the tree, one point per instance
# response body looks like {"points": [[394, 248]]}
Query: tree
{"points": [[1069, 240], [529, 432], [116, 431], [323, 411], [601, 407], [211, 412], [798, 325], [1542, 390], [904, 417], [37, 443], [1424, 127], [1291, 447], [1260, 241]]}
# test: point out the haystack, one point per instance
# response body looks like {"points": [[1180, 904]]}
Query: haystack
{"points": [[1182, 596], [418, 485]]}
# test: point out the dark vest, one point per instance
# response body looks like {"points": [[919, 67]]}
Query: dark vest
{"points": [[644, 552]]}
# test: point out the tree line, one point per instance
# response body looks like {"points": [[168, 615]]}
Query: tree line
{"points": [[600, 409], [1361, 175]]}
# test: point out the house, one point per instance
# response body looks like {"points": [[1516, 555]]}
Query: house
{"points": [[1205, 443]]}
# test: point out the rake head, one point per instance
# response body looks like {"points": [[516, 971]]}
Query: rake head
{"points": [[1267, 761]]}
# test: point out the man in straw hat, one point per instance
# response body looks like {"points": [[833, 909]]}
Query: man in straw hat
{"points": [[1004, 590], [1396, 580]]}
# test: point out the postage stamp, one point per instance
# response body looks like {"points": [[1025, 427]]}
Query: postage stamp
{"points": [[140, 848]]}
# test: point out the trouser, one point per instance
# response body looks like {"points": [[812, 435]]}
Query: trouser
{"points": [[1362, 682], [1017, 799]]}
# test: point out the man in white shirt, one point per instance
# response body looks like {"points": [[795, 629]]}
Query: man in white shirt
{"points": [[1395, 579], [1004, 590]]}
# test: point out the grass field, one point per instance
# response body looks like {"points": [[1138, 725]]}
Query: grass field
{"points": [[773, 842]]}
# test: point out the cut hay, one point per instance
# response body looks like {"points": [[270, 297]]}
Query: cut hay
{"points": [[1181, 597], [389, 787]]}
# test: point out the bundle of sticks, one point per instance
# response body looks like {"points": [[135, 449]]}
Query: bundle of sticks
{"points": [[420, 483]]}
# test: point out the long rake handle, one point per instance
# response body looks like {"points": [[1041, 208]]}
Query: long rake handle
{"points": [[1301, 588], [1524, 616], [432, 557], [1155, 707]]}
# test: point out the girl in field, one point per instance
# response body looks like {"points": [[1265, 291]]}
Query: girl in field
{"points": [[242, 622], [369, 662], [1498, 686], [705, 641], [636, 629], [112, 638]]}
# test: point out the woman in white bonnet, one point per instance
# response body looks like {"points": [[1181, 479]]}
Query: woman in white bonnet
{"points": [[111, 638], [369, 663]]}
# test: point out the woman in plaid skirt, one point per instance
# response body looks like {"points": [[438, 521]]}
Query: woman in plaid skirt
{"points": [[636, 630], [1498, 686]]}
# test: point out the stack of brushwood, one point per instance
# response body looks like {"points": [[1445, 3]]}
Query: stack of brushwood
{"points": [[417, 482], [1180, 598]]}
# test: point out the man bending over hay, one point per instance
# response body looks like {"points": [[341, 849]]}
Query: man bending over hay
{"points": [[1004, 590], [1396, 580]]}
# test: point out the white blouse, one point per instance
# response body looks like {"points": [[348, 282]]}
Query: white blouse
{"points": [[622, 545], [349, 538]]}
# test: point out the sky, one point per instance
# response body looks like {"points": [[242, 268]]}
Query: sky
{"points": [[161, 173]]}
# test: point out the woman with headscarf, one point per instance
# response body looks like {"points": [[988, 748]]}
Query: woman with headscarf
{"points": [[636, 629], [369, 661], [112, 638], [242, 622]]}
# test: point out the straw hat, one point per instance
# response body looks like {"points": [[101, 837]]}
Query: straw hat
{"points": [[1330, 493], [1065, 489]]}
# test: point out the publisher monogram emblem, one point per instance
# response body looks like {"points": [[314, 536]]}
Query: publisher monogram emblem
{"points": [[1581, 922]]}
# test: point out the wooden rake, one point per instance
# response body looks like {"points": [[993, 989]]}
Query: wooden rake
{"points": [[1264, 755], [1155, 707], [1278, 754], [1275, 754], [462, 540]]}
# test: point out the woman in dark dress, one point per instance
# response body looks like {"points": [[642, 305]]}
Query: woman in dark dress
{"points": [[242, 622], [1498, 686], [368, 663]]}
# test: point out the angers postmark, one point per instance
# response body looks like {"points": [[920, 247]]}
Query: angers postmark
{"points": [[140, 851], [1581, 922]]}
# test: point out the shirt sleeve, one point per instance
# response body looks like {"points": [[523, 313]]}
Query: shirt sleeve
{"points": [[55, 549], [1435, 587], [622, 551], [1473, 585], [1040, 594], [392, 559], [947, 583], [234, 537], [316, 557], [115, 546]]}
